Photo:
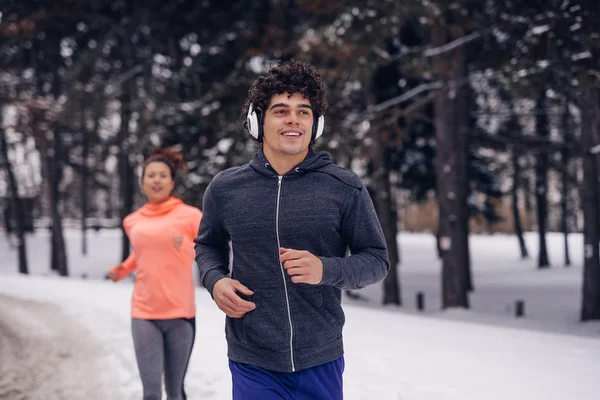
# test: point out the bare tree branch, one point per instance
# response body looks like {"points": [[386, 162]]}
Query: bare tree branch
{"points": [[461, 41], [432, 51]]}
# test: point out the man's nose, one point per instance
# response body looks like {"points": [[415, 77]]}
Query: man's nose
{"points": [[292, 118]]}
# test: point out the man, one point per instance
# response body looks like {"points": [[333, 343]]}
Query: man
{"points": [[289, 216]]}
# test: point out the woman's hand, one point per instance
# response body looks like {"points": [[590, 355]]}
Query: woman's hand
{"points": [[114, 275]]}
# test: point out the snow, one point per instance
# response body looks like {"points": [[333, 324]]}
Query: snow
{"points": [[581, 56], [538, 30], [391, 353]]}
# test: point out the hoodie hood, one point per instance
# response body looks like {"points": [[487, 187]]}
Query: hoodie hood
{"points": [[313, 163], [154, 210]]}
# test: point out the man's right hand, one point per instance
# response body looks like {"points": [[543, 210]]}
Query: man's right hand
{"points": [[225, 295]]}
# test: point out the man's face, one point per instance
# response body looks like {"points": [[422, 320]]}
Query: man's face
{"points": [[288, 122]]}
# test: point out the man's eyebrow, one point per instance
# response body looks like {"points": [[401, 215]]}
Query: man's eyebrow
{"points": [[288, 106]]}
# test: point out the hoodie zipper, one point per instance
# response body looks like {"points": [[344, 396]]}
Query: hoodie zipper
{"points": [[287, 299]]}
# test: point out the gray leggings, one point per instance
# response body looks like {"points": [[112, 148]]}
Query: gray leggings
{"points": [[163, 345]]}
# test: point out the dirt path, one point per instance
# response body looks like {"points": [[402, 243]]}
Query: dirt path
{"points": [[46, 354]]}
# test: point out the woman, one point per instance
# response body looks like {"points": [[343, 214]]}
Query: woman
{"points": [[163, 309]]}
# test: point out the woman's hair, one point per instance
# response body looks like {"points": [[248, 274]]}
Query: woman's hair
{"points": [[288, 77], [169, 156]]}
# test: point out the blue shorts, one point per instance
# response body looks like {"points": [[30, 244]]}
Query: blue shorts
{"points": [[322, 382]]}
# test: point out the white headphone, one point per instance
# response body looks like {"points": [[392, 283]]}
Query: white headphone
{"points": [[255, 126]]}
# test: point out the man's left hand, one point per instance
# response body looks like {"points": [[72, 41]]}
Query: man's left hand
{"points": [[302, 266]]}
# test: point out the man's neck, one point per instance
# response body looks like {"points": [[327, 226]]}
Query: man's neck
{"points": [[283, 164]]}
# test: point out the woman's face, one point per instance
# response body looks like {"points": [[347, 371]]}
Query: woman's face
{"points": [[157, 182]]}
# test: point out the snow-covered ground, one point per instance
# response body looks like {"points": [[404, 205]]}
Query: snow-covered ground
{"points": [[70, 338]]}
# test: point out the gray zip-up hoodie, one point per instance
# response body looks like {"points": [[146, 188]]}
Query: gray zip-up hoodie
{"points": [[317, 206]]}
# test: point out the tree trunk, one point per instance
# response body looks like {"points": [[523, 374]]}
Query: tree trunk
{"points": [[51, 172], [16, 206], [590, 137], [449, 174], [126, 173], [541, 180], [528, 195], [565, 217], [126, 178], [462, 151], [59, 253], [515, 204], [84, 178], [565, 184], [386, 208]]}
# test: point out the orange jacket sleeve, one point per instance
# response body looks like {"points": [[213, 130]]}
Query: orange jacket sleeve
{"points": [[195, 224], [126, 267]]}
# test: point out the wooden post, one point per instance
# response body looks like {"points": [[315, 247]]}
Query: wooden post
{"points": [[519, 308], [420, 301]]}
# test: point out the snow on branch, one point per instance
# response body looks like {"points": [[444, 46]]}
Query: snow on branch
{"points": [[432, 51], [368, 114], [115, 84], [405, 97], [461, 41]]}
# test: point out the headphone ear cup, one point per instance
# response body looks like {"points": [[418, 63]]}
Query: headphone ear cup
{"points": [[320, 125], [253, 123]]}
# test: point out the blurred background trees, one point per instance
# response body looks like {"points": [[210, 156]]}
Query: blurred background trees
{"points": [[461, 116]]}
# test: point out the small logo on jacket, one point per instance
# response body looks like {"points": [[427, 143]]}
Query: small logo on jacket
{"points": [[178, 240]]}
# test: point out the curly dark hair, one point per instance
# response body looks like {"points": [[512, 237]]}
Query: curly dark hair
{"points": [[288, 77], [169, 156]]}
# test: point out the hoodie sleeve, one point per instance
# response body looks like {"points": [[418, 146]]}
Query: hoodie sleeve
{"points": [[212, 243], [368, 261]]}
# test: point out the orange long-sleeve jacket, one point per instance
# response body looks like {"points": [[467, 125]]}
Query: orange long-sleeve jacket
{"points": [[161, 237]]}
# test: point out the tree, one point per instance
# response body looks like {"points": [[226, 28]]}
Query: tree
{"points": [[515, 203], [565, 158], [451, 160], [590, 137], [541, 180], [15, 205]]}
